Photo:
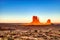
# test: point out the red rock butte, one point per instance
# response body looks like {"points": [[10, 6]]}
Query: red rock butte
{"points": [[35, 21], [48, 21]]}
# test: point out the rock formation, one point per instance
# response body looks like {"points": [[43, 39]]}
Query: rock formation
{"points": [[48, 21], [35, 20]]}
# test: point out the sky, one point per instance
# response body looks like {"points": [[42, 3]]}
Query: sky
{"points": [[21, 11]]}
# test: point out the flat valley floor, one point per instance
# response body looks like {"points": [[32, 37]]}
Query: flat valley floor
{"points": [[16, 31]]}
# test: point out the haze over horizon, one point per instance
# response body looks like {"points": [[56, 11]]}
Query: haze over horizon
{"points": [[21, 11]]}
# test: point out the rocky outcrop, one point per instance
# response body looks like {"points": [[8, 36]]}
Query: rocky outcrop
{"points": [[48, 21], [35, 20]]}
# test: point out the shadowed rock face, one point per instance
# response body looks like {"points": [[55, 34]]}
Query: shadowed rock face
{"points": [[35, 20]]}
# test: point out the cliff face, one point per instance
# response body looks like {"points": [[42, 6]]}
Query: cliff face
{"points": [[35, 20]]}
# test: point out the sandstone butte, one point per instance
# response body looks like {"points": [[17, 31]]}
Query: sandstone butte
{"points": [[35, 21]]}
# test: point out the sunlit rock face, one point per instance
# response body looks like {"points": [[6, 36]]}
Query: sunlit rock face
{"points": [[35, 20], [48, 21]]}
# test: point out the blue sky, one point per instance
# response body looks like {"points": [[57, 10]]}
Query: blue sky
{"points": [[17, 11]]}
